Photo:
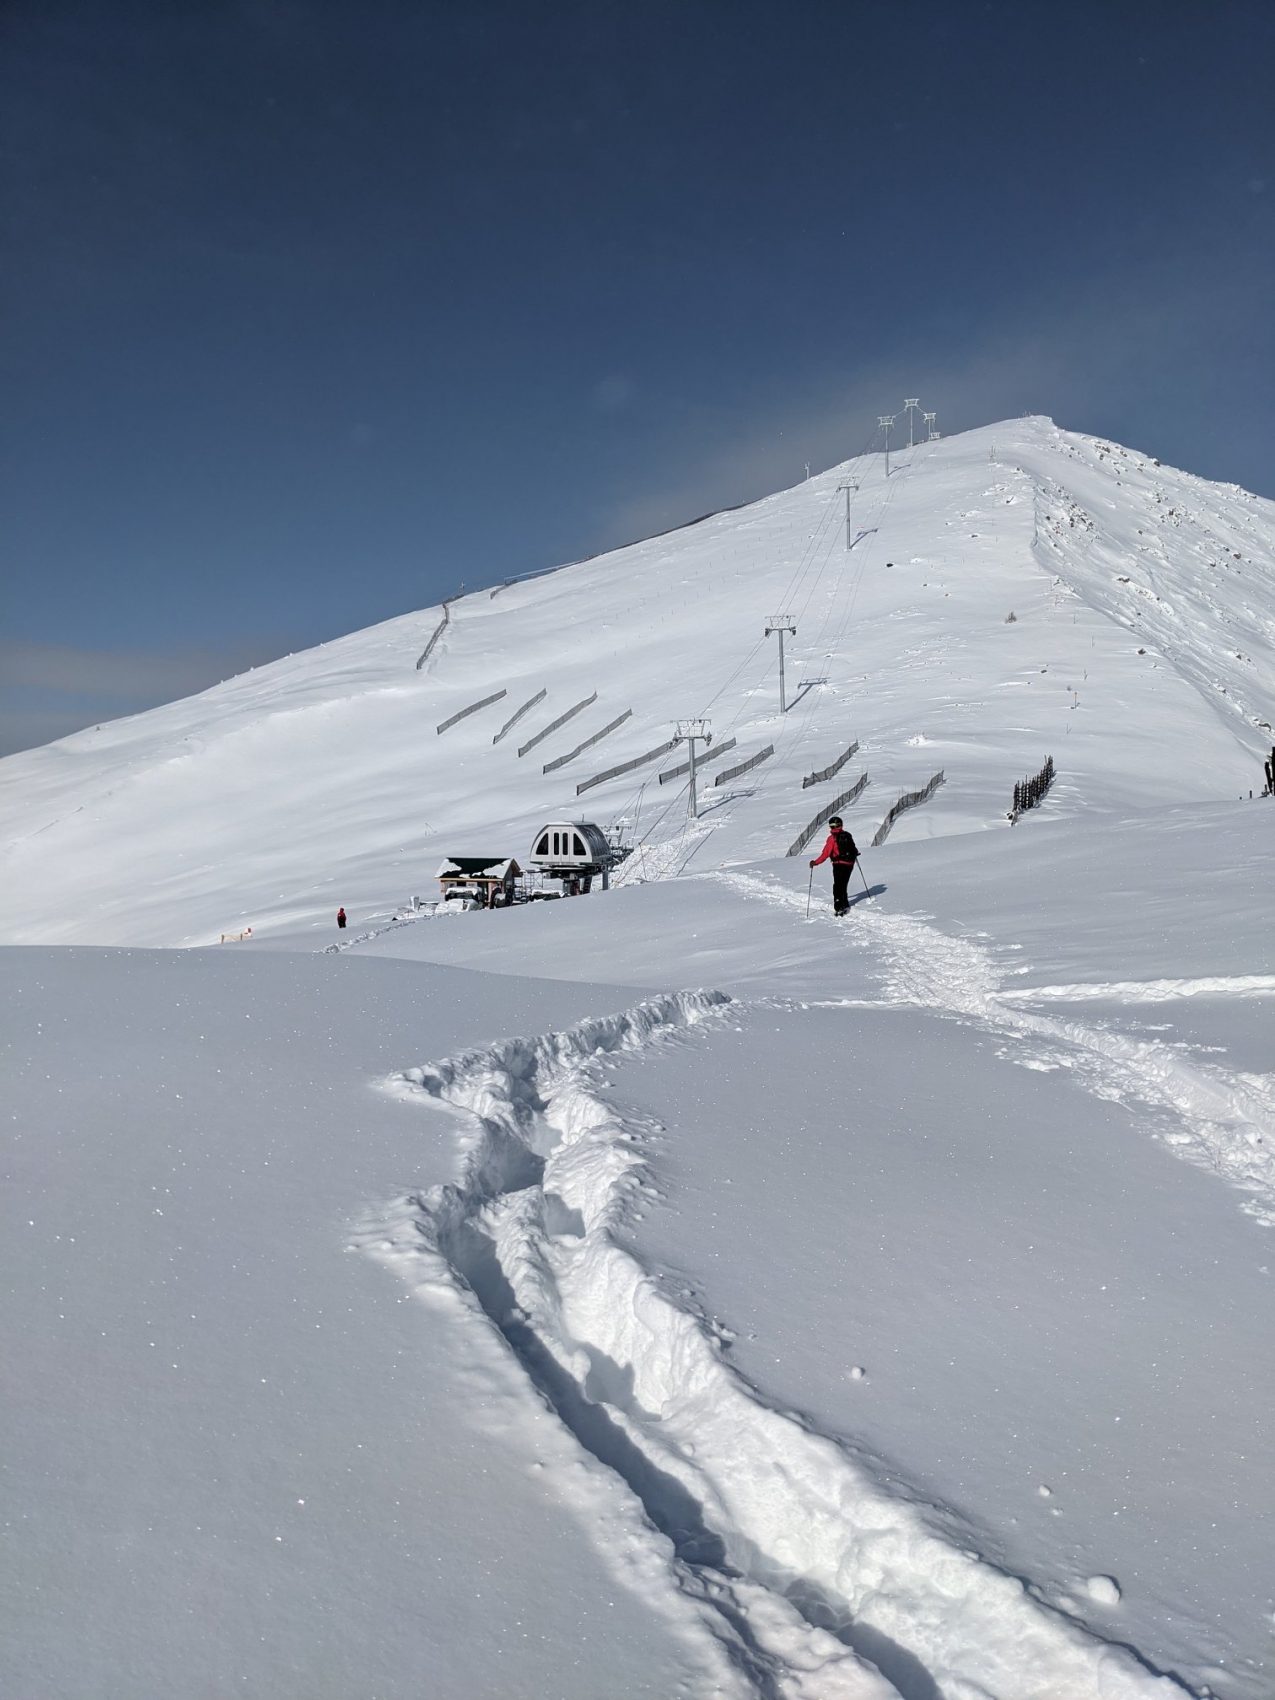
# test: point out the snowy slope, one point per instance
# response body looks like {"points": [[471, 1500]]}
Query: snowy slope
{"points": [[674, 1292], [1141, 656], [783, 1326], [1008, 1146], [235, 1461]]}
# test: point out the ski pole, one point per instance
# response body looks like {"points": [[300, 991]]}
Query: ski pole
{"points": [[864, 878], [809, 888]]}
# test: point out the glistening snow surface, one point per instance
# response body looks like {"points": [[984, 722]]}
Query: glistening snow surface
{"points": [[666, 1293]]}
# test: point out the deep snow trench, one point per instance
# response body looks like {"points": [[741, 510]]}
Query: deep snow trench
{"points": [[815, 1576]]}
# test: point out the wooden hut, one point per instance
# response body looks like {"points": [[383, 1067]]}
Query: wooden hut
{"points": [[488, 880]]}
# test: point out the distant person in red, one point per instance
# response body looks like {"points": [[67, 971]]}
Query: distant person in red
{"points": [[340, 917], [844, 853]]}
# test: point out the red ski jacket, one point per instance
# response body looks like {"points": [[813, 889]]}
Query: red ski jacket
{"points": [[833, 849]]}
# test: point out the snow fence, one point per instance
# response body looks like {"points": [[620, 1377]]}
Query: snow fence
{"points": [[832, 769], [626, 766], [561, 761], [834, 807], [908, 800], [439, 629], [1029, 792], [745, 766], [554, 724], [464, 713], [517, 716], [685, 767]]}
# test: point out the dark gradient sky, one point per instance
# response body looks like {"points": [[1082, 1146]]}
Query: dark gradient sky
{"points": [[311, 311]]}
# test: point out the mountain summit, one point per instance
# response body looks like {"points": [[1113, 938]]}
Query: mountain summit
{"points": [[1012, 594]]}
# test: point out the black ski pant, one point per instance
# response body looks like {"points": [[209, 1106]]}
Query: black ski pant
{"points": [[841, 872]]}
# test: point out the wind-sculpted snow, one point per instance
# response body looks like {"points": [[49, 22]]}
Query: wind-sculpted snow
{"points": [[756, 1505]]}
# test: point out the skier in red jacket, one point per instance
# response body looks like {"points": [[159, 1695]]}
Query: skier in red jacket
{"points": [[842, 850]]}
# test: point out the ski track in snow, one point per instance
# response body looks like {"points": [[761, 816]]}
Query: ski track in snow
{"points": [[1223, 1120], [818, 1582]]}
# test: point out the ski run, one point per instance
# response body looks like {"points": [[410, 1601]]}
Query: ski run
{"points": [[678, 1290]]}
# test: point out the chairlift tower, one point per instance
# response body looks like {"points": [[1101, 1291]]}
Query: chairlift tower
{"points": [[930, 432], [781, 623], [851, 484], [690, 732], [911, 405], [885, 422]]}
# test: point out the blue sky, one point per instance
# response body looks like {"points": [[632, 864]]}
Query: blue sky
{"points": [[314, 310]]}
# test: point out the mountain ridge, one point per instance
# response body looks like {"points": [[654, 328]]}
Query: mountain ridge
{"points": [[1139, 655]]}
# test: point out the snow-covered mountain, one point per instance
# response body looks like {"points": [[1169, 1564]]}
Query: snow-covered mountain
{"points": [[678, 1292], [1013, 593]]}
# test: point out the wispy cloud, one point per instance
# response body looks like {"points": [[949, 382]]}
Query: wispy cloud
{"points": [[50, 690], [1105, 361]]}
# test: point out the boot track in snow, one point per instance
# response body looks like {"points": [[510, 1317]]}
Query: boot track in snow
{"points": [[1223, 1120], [814, 1576]]}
